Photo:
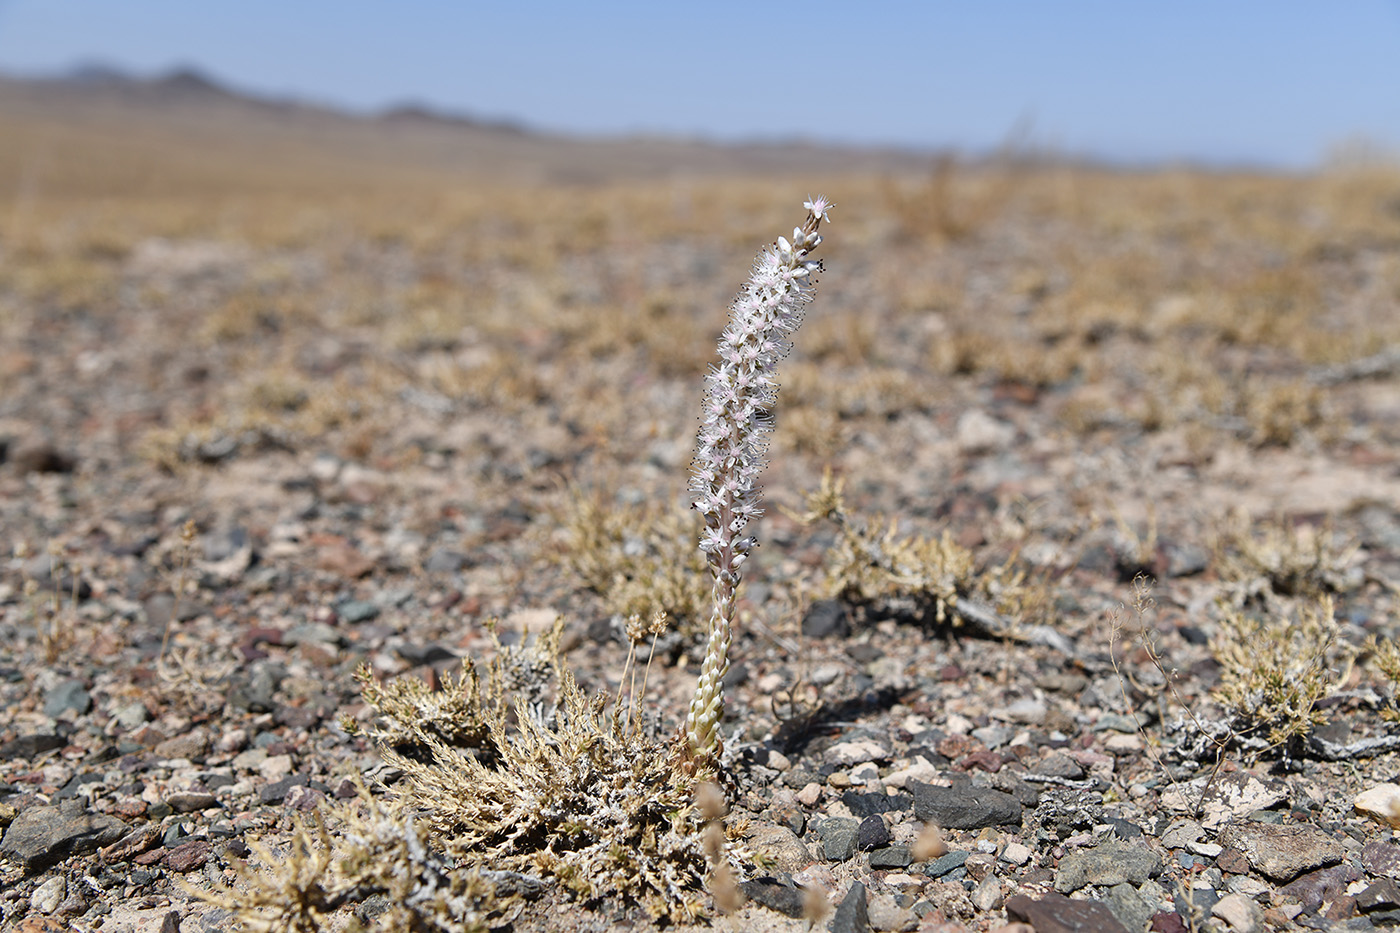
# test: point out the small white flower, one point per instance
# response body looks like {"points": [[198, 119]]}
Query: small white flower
{"points": [[818, 207]]}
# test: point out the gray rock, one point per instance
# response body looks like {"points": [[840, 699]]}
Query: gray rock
{"points": [[838, 836], [43, 836], [863, 805], [1132, 909], [47, 896], [946, 863], [785, 899], [891, 857], [827, 618], [355, 611], [1058, 764], [1380, 895], [1282, 852], [68, 696], [965, 806], [852, 915], [1109, 863]]}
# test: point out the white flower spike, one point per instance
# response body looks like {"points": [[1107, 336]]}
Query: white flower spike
{"points": [[736, 419]]}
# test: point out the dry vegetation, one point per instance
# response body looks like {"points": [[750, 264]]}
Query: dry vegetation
{"points": [[1035, 380]]}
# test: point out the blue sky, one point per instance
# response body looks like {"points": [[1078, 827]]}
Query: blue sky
{"points": [[1273, 83]]}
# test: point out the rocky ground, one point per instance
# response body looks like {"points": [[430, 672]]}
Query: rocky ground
{"points": [[242, 455]]}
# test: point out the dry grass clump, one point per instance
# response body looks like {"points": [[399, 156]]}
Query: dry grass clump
{"points": [[1275, 559], [929, 580], [518, 770], [641, 560], [1275, 668], [1385, 655], [365, 850]]}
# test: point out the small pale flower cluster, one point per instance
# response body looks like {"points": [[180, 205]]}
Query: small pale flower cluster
{"points": [[736, 420]]}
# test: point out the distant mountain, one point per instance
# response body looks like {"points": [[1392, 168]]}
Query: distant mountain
{"points": [[192, 115]]}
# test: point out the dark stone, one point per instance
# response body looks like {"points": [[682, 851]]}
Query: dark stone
{"points": [[43, 836], [1316, 887], [851, 916], [783, 898], [838, 836], [1055, 913], [1109, 863], [946, 863], [223, 544], [419, 655], [827, 618], [1124, 829], [1194, 634], [277, 791], [170, 923], [188, 856], [872, 834], [1168, 921], [1203, 900], [863, 805], [965, 806], [891, 857], [1060, 765], [42, 457], [30, 746]]}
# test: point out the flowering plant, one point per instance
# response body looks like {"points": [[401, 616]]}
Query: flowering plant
{"points": [[735, 422]]}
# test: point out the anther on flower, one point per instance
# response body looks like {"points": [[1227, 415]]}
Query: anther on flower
{"points": [[735, 421]]}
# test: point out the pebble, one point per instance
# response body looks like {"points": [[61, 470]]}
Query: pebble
{"points": [[1016, 853], [1381, 803], [885, 913], [987, 895], [946, 863], [49, 895], [355, 611], [872, 834], [827, 618], [855, 752], [810, 794], [191, 801], [1130, 906], [1282, 852], [1241, 913], [188, 856]]}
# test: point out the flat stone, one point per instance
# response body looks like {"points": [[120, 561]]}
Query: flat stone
{"points": [[355, 611], [1282, 852], [277, 791], [890, 857], [1316, 887], [838, 836], [188, 856], [987, 895], [193, 745], [70, 696], [1380, 895], [1016, 853], [863, 805], [44, 835], [785, 899], [1109, 863], [191, 801], [1132, 909], [856, 752], [1058, 764], [1381, 803], [852, 915], [31, 746], [965, 806], [779, 843], [1055, 913], [946, 863]]}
